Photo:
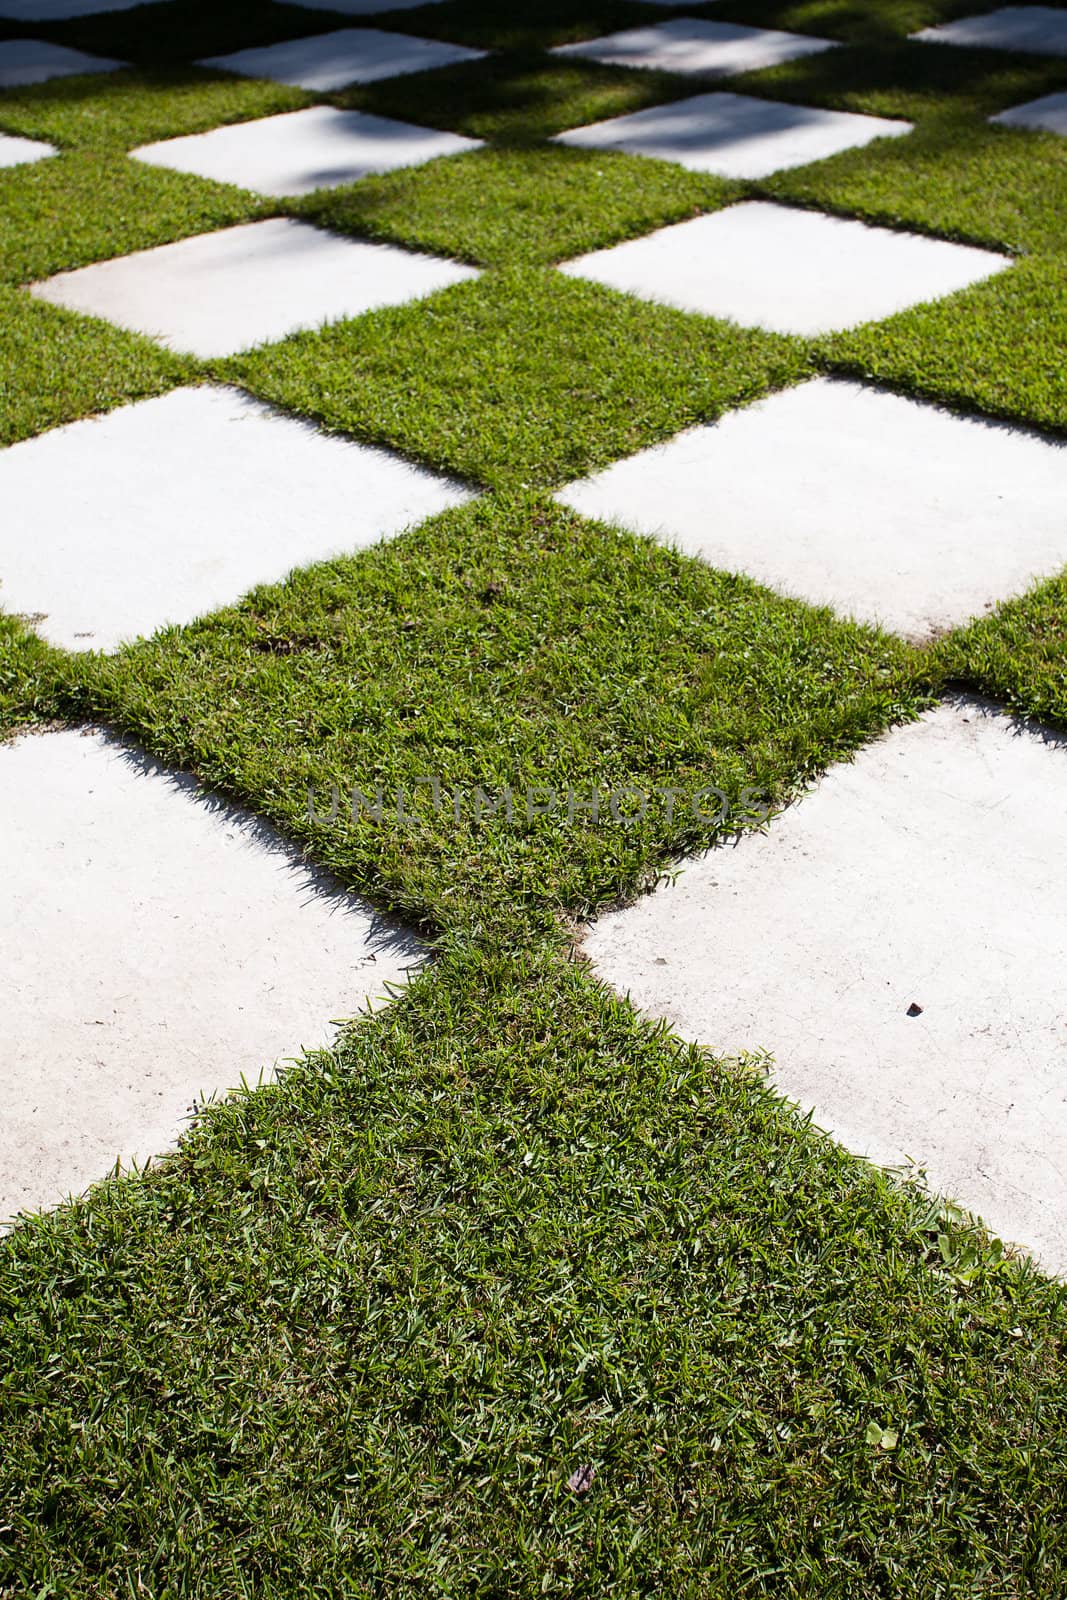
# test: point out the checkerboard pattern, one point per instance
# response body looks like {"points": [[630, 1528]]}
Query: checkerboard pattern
{"points": [[317, 220]]}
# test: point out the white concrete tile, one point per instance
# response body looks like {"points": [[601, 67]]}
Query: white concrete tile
{"points": [[696, 48], [17, 152], [61, 10], [221, 292], [1049, 114], [351, 55], [373, 8], [891, 511], [786, 270], [162, 511], [1036, 30], [932, 871], [734, 135], [24, 61], [300, 151], [158, 947]]}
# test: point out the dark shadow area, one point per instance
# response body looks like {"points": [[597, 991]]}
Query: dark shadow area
{"points": [[517, 99], [907, 78], [108, 88], [186, 30], [179, 31]]}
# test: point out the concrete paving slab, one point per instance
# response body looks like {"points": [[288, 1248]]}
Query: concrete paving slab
{"points": [[158, 948], [930, 873], [62, 10], [16, 152], [1049, 114], [958, 513], [25, 61], [786, 270], [300, 151], [1035, 30], [697, 49], [351, 55], [165, 510], [218, 293], [734, 135]]}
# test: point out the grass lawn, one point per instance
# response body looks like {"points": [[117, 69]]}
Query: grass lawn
{"points": [[508, 644], [359, 1333], [1017, 656], [519, 378], [504, 1233]]}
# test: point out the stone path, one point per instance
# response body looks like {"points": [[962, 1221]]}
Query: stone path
{"points": [[1039, 30], [218, 293], [729, 265], [16, 152], [931, 874], [1049, 114], [896, 939], [333, 60], [26, 61], [698, 49], [162, 511], [62, 10], [735, 135], [300, 151], [159, 948], [960, 513]]}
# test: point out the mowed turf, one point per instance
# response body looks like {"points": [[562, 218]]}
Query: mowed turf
{"points": [[365, 1330], [508, 645], [502, 207], [519, 379], [1018, 655], [56, 367]]}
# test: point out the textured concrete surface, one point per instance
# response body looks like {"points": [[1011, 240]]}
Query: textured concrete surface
{"points": [[696, 48], [161, 511], [300, 151], [930, 873], [60, 10], [158, 947], [221, 292], [786, 270], [1048, 114], [734, 135], [1037, 30], [889, 510], [15, 151], [351, 55], [24, 61]]}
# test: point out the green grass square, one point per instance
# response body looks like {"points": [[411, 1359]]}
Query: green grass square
{"points": [[514, 208], [1018, 654], [86, 206], [118, 110], [1004, 188], [56, 366], [506, 644], [993, 348], [360, 1333], [520, 377], [908, 79]]}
